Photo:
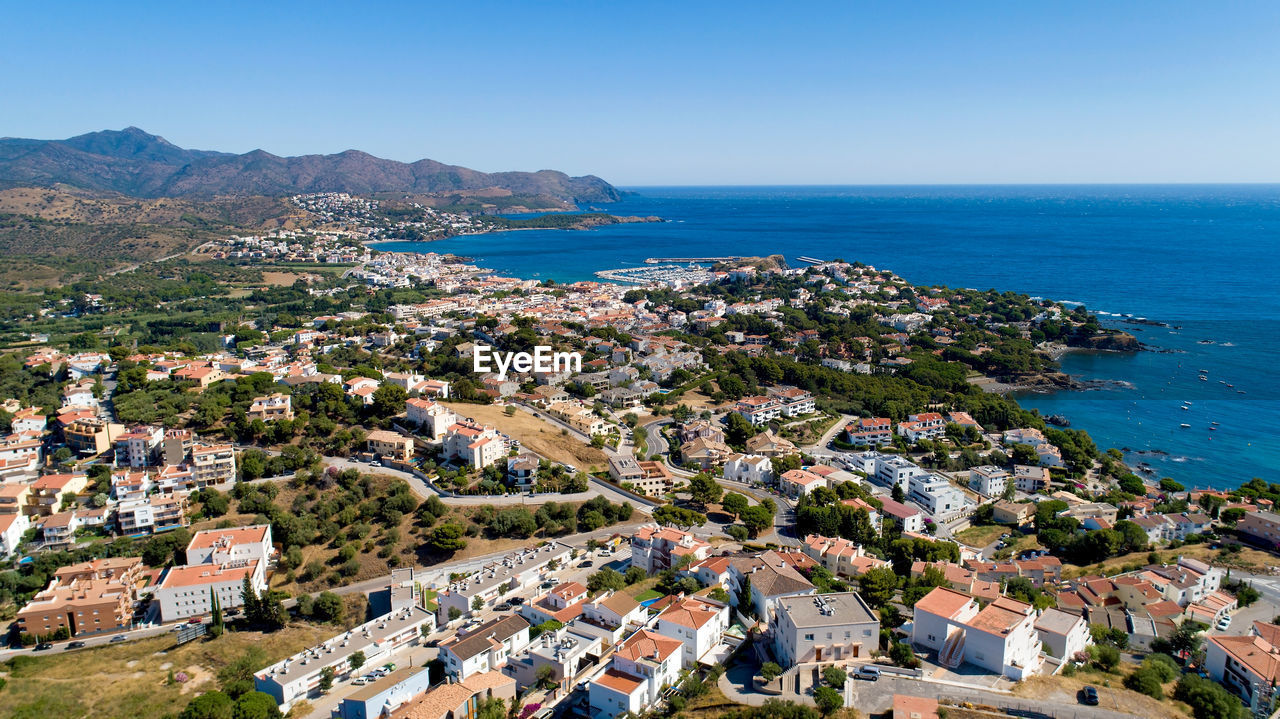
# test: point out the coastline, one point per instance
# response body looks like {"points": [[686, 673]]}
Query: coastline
{"points": [[590, 221]]}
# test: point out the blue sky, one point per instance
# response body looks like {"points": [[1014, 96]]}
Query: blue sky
{"points": [[647, 93]]}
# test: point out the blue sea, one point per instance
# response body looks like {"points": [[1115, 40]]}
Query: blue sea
{"points": [[1201, 260]]}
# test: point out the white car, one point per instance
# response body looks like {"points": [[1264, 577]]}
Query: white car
{"points": [[1224, 623]]}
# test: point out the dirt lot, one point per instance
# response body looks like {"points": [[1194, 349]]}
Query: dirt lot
{"points": [[1251, 560], [1111, 694], [131, 679], [538, 435]]}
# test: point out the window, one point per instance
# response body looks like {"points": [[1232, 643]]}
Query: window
{"points": [[808, 637]]}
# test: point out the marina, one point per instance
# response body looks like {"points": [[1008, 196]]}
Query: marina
{"points": [[670, 275]]}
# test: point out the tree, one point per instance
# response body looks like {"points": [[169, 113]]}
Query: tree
{"points": [[256, 705], [545, 676], [388, 399], [827, 699], [1145, 681], [770, 671], [634, 575], [215, 623], [448, 537], [514, 522], [902, 655], [357, 660], [1186, 638], [477, 603], [878, 586], [1207, 699], [746, 605], [326, 679], [704, 489], [737, 429], [606, 579], [249, 598], [896, 494], [756, 519], [491, 708], [209, 705], [734, 503], [454, 613], [1106, 657], [328, 608], [834, 676]]}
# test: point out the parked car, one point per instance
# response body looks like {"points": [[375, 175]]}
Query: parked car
{"points": [[389, 666], [360, 681], [517, 600], [1224, 623], [588, 563], [375, 463], [504, 607], [548, 585], [195, 620], [433, 643], [867, 672], [118, 638], [75, 645], [1089, 696], [43, 646]]}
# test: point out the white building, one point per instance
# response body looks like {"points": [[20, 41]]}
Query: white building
{"points": [[188, 591], [697, 623], [892, 469], [227, 546], [824, 628], [655, 549], [12, 527], [988, 480], [297, 676], [485, 648], [1062, 633], [434, 419], [474, 445], [749, 469], [758, 410], [643, 666], [936, 495], [1001, 638]]}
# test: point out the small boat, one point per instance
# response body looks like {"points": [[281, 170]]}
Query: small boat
{"points": [[1184, 425], [1239, 391], [1203, 371], [1215, 424], [1185, 407], [1213, 429], [1203, 378], [1231, 386]]}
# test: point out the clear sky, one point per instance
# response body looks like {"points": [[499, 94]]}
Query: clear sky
{"points": [[651, 93]]}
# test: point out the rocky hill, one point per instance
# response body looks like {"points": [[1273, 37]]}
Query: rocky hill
{"points": [[135, 163]]}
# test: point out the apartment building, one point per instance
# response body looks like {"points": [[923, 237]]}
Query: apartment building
{"points": [[270, 408], [840, 556], [1262, 528], [1000, 638], [824, 628], [936, 495], [474, 445], [749, 469], [155, 513], [139, 447], [188, 591], [794, 401], [654, 549], [12, 526], [432, 418], [296, 677], [927, 425], [514, 571], [230, 546], [90, 436], [988, 480], [85, 598], [213, 465], [485, 648], [1031, 479], [389, 445], [758, 410], [1245, 664], [641, 668], [870, 432], [697, 623], [1063, 634]]}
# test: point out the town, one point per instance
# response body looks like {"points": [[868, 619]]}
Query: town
{"points": [[780, 488]]}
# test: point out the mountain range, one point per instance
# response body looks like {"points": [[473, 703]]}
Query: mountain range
{"points": [[139, 164]]}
